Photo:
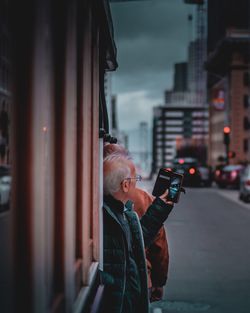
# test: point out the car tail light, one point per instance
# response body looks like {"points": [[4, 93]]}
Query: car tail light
{"points": [[233, 174], [192, 171], [168, 169], [217, 172], [247, 183]]}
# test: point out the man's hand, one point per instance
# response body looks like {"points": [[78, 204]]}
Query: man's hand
{"points": [[156, 294], [163, 197]]}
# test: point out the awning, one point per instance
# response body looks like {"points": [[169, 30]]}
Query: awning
{"points": [[110, 47]]}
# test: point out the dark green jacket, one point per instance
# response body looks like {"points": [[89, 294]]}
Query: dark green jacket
{"points": [[143, 233]]}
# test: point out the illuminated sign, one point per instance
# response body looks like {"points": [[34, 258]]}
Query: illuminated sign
{"points": [[218, 100]]}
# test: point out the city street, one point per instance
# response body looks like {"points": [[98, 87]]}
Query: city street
{"points": [[208, 234]]}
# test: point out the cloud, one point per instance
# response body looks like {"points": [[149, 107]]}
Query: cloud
{"points": [[150, 18], [153, 83], [135, 107], [150, 36]]}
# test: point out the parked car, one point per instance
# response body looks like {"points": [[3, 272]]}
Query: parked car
{"points": [[206, 175], [194, 173], [228, 176], [244, 193]]}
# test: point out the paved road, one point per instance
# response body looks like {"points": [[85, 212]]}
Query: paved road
{"points": [[209, 242]]}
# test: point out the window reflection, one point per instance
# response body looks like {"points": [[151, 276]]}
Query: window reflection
{"points": [[5, 178], [5, 185]]}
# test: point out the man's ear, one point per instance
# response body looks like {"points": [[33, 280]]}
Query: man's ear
{"points": [[125, 185]]}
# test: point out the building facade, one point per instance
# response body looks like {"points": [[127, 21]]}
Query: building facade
{"points": [[51, 234], [180, 77], [176, 128], [228, 67]]}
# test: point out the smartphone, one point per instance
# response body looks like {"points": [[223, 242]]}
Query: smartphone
{"points": [[172, 181]]}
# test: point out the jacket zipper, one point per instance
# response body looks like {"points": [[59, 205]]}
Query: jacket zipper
{"points": [[124, 280], [124, 251]]}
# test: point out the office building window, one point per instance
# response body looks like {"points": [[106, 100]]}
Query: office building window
{"points": [[200, 114], [246, 123], [245, 145], [246, 79], [174, 114], [174, 122], [246, 101], [169, 157], [174, 129]]}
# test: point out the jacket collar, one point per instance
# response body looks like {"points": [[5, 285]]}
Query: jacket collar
{"points": [[114, 204]]}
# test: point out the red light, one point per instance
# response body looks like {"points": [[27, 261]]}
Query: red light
{"points": [[191, 171], [217, 172], [181, 161], [168, 169], [234, 174], [226, 130]]}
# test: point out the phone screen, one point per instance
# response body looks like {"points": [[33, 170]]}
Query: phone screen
{"points": [[168, 180], [162, 183], [174, 189]]}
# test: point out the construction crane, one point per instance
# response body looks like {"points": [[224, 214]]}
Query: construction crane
{"points": [[200, 74], [200, 46]]}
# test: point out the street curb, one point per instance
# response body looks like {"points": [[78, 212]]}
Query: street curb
{"points": [[229, 197], [157, 310]]}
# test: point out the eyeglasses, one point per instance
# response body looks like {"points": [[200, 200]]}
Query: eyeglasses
{"points": [[137, 177]]}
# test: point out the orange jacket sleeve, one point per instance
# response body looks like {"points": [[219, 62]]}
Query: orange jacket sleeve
{"points": [[157, 254]]}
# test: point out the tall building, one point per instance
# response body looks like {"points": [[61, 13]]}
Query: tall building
{"points": [[175, 128], [180, 77], [189, 80], [167, 96], [191, 66], [181, 126], [144, 146], [113, 119], [197, 55], [228, 66]]}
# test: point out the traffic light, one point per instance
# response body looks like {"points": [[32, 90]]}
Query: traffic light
{"points": [[227, 131]]}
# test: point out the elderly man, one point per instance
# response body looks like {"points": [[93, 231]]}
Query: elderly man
{"points": [[157, 255], [125, 274]]}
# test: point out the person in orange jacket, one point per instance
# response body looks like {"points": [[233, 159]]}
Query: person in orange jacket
{"points": [[157, 255]]}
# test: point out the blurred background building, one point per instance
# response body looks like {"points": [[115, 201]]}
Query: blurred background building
{"points": [[180, 127], [216, 80], [228, 67], [178, 131]]}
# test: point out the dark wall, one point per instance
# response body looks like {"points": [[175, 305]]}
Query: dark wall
{"points": [[224, 14]]}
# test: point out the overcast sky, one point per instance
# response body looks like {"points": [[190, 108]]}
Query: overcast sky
{"points": [[150, 36]]}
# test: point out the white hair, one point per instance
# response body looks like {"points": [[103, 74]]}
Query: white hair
{"points": [[116, 169]]}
